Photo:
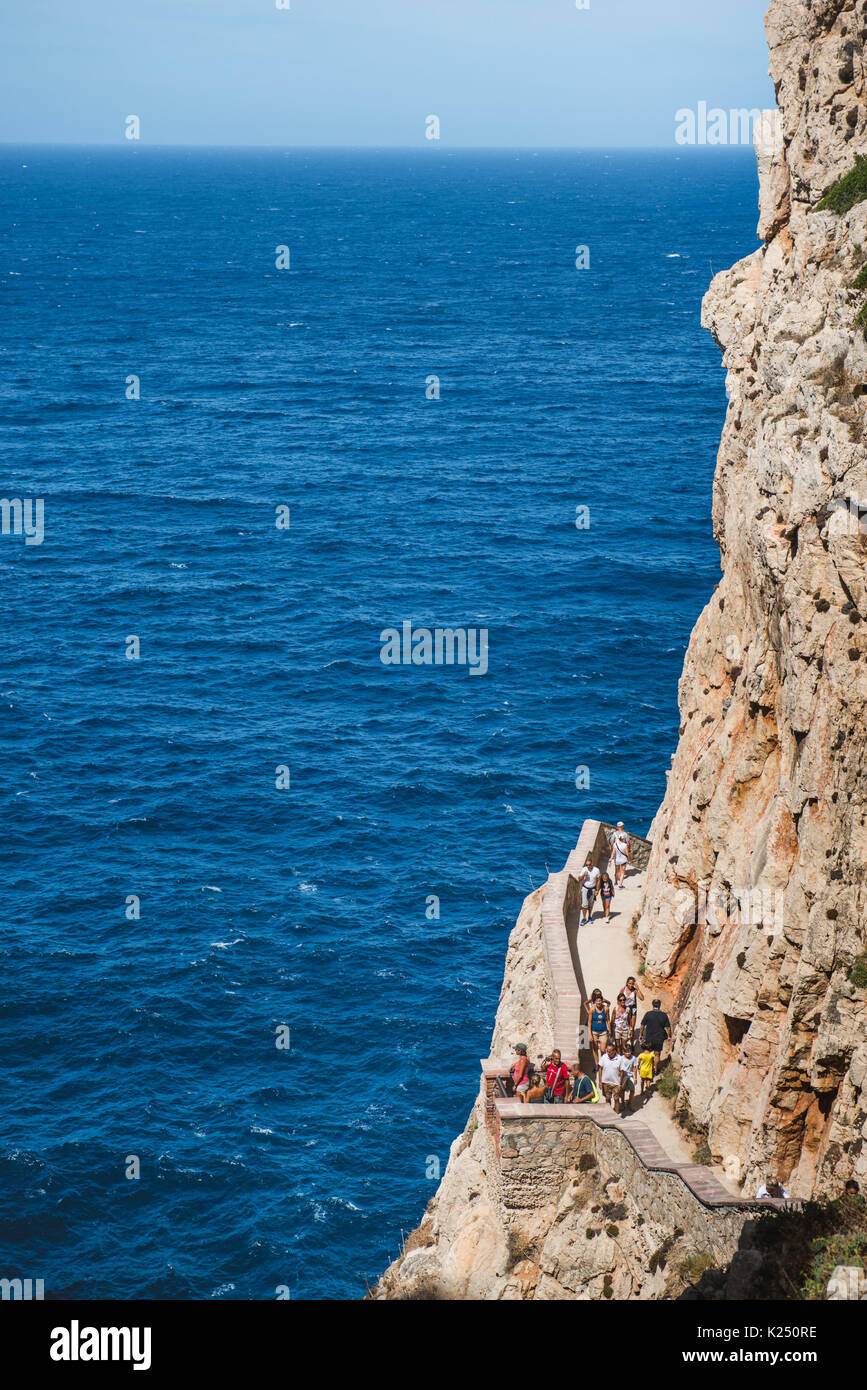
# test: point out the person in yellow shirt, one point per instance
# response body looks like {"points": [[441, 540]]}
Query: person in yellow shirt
{"points": [[645, 1069]]}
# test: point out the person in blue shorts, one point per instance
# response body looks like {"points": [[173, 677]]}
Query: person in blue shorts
{"points": [[596, 1008]]}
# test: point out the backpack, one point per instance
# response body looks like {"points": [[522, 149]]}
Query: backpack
{"points": [[594, 1094]]}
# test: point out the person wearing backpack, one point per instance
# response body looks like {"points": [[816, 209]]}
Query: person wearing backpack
{"points": [[556, 1077], [584, 1090]]}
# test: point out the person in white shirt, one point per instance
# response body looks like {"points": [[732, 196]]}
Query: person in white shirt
{"points": [[620, 853], [609, 1074], [771, 1187], [589, 877], [628, 1073]]}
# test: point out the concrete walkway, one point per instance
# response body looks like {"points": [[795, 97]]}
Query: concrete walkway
{"points": [[608, 957], [605, 948]]}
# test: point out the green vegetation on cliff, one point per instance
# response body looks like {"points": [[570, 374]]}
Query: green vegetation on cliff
{"points": [[807, 1245], [858, 973], [849, 190], [668, 1084]]}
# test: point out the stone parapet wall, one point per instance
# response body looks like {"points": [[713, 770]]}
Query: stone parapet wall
{"points": [[562, 893], [548, 1139], [538, 1160], [535, 1159]]}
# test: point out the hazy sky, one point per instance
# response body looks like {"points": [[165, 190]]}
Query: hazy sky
{"points": [[368, 72]]}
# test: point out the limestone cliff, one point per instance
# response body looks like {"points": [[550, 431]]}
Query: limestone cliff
{"points": [[756, 898], [757, 888]]}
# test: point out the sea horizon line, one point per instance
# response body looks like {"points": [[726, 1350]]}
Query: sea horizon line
{"points": [[387, 149]]}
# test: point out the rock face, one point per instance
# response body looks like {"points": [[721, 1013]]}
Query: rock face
{"points": [[756, 898]]}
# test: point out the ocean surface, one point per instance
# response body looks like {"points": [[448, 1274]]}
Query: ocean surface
{"points": [[149, 1043]]}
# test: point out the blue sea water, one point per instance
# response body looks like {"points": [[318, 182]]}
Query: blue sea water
{"points": [[306, 906]]}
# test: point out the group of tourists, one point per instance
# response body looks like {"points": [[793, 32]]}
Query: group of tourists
{"points": [[618, 1023], [618, 1073], [594, 882], [624, 1050], [624, 1055]]}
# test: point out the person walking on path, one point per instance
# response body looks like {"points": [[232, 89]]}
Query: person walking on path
{"points": [[645, 1069], [621, 1025], [632, 994], [589, 875], [620, 853], [609, 1074], [628, 1076], [597, 1009], [655, 1032], [606, 892]]}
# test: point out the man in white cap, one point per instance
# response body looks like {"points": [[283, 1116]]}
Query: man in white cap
{"points": [[620, 853]]}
